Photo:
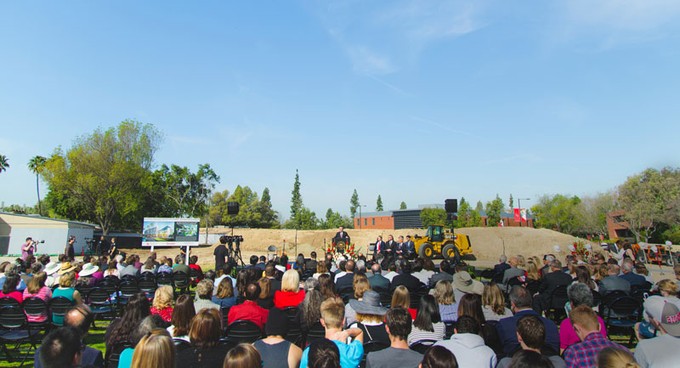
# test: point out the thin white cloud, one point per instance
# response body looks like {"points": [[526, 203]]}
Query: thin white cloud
{"points": [[390, 86], [609, 23], [382, 37]]}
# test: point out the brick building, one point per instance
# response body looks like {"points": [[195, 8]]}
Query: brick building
{"points": [[410, 219]]}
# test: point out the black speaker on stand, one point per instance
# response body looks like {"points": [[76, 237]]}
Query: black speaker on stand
{"points": [[232, 209], [451, 205]]}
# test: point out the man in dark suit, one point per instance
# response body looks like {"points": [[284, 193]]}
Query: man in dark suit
{"points": [[346, 281], [499, 269], [377, 281], [390, 247], [613, 282], [342, 235], [409, 248], [405, 278], [379, 247], [633, 279], [520, 304], [552, 281], [311, 263]]}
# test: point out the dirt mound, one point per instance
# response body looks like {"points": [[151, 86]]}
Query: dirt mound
{"points": [[487, 243]]}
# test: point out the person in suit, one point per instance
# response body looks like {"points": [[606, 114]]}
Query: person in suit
{"points": [[409, 248], [400, 247], [613, 282], [405, 278], [377, 281], [379, 247], [342, 235], [347, 280], [627, 274], [552, 281], [499, 269]]}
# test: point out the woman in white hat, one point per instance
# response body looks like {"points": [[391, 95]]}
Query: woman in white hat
{"points": [[51, 270], [85, 275]]}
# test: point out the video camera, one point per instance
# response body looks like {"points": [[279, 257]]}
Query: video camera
{"points": [[38, 241], [231, 239]]}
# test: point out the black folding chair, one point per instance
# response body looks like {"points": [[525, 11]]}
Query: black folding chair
{"points": [[101, 305], [417, 294], [243, 332], [147, 284], [316, 331], [421, 346], [112, 356], [622, 315], [371, 346], [164, 278], [294, 334], [9, 302], [556, 302], [37, 310], [58, 307], [181, 281], [15, 330]]}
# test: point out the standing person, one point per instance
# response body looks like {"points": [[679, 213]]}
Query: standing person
{"points": [[113, 249], [103, 246], [379, 248], [221, 253], [69, 251], [398, 326], [27, 249], [342, 235]]}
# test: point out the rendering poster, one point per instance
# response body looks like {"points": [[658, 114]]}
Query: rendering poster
{"points": [[160, 232]]}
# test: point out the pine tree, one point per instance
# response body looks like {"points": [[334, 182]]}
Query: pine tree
{"points": [[511, 203], [296, 200], [379, 204], [354, 203]]}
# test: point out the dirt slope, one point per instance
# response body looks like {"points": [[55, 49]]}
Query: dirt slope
{"points": [[487, 243]]}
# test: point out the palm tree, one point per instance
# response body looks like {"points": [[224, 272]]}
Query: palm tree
{"points": [[36, 165], [4, 163]]}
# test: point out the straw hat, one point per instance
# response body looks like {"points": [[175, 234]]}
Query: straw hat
{"points": [[464, 282], [52, 268], [88, 270], [66, 267]]}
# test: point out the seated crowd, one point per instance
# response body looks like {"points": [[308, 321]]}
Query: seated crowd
{"points": [[350, 313]]}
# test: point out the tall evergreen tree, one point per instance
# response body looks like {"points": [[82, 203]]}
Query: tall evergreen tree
{"points": [[379, 204], [354, 203], [296, 200], [511, 203]]}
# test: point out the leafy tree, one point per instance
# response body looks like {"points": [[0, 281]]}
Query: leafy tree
{"points": [[593, 212], [36, 165], [305, 220], [354, 203], [464, 214], [475, 219], [402, 205], [432, 216], [102, 177], [334, 220], [180, 192], [296, 199], [493, 211], [4, 163], [218, 208], [649, 199], [559, 212], [379, 204]]}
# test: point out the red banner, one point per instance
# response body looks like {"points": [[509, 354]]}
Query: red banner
{"points": [[518, 215]]}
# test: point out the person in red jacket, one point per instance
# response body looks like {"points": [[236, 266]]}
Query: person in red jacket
{"points": [[290, 294], [249, 310]]}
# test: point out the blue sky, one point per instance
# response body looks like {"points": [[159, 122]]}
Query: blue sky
{"points": [[417, 101]]}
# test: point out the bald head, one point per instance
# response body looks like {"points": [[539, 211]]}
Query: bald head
{"points": [[375, 268], [80, 317]]}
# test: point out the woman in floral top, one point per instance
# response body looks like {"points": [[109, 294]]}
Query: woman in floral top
{"points": [[162, 303]]}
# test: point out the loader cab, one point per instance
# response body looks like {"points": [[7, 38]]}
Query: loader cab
{"points": [[435, 233]]}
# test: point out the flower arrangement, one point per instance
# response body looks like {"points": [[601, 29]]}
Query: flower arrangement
{"points": [[582, 249], [350, 251]]}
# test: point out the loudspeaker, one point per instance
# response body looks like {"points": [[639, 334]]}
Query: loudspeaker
{"points": [[451, 205], [232, 208]]}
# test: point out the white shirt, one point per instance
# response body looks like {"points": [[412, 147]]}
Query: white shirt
{"points": [[390, 275]]}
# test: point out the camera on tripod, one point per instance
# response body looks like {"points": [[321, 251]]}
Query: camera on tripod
{"points": [[230, 240]]}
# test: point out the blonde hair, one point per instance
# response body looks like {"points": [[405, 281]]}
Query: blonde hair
{"points": [[532, 271], [360, 285], [67, 279], [585, 317], [401, 298], [493, 297], [204, 289], [521, 262], [612, 357], [290, 281], [156, 349], [163, 296], [669, 286], [333, 312], [443, 292], [370, 318], [225, 289], [37, 282]]}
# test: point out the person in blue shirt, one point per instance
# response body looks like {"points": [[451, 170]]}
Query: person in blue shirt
{"points": [[332, 319]]}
